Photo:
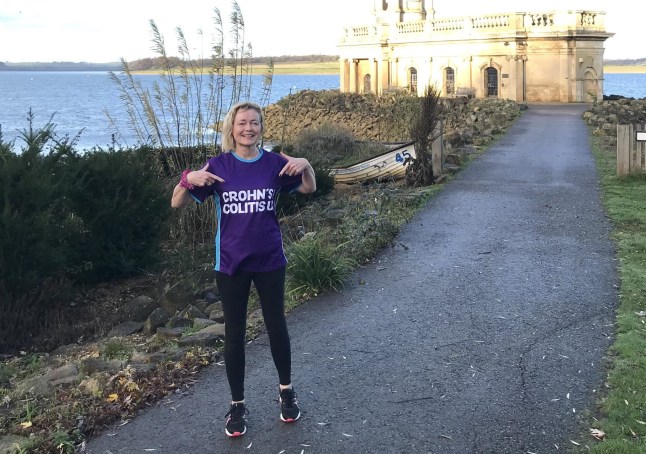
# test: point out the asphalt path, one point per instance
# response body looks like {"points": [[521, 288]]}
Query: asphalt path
{"points": [[483, 330]]}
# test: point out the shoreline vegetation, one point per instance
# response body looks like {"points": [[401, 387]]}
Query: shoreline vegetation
{"points": [[309, 65]]}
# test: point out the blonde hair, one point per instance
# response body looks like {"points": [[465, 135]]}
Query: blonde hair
{"points": [[228, 142]]}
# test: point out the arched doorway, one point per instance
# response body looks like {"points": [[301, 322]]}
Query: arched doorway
{"points": [[449, 81], [366, 84], [491, 82], [590, 87], [412, 80]]}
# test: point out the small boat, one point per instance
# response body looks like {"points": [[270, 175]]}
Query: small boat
{"points": [[389, 165]]}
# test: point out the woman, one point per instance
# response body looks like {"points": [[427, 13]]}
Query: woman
{"points": [[245, 181]]}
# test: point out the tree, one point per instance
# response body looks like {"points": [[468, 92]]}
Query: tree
{"points": [[424, 125]]}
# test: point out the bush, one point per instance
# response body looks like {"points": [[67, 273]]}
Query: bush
{"points": [[325, 145], [68, 218], [314, 266], [124, 210]]}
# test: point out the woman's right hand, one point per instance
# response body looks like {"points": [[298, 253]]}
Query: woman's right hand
{"points": [[203, 177]]}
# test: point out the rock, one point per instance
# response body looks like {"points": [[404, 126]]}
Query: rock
{"points": [[68, 370], [201, 306], [200, 323], [139, 308], [255, 318], [209, 336], [210, 297], [216, 329], [43, 384], [179, 322], [176, 298], [11, 444], [92, 365], [217, 315], [92, 386], [215, 306], [192, 312], [36, 386], [159, 317], [140, 357], [125, 329], [170, 333], [171, 355]]}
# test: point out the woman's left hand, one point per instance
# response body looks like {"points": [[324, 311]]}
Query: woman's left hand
{"points": [[294, 166]]}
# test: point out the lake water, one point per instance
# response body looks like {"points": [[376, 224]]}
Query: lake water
{"points": [[79, 100]]}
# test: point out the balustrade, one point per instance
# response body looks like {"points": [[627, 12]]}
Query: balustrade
{"points": [[508, 23]]}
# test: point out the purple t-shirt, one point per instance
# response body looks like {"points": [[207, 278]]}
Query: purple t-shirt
{"points": [[248, 236]]}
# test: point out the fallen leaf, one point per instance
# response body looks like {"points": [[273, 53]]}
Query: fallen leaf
{"points": [[112, 397], [574, 443], [347, 435], [641, 422], [26, 424], [598, 434]]}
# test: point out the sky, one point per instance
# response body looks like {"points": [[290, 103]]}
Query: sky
{"points": [[106, 31]]}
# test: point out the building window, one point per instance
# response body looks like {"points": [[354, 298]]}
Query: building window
{"points": [[366, 84], [491, 81], [449, 81], [412, 80]]}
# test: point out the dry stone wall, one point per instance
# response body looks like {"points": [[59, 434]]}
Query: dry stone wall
{"points": [[386, 118]]}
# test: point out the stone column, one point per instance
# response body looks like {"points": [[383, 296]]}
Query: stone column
{"points": [[343, 75], [375, 77], [382, 81], [353, 76]]}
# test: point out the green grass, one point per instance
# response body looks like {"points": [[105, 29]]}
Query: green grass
{"points": [[623, 408]]}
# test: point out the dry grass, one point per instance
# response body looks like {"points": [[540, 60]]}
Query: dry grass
{"points": [[615, 69], [305, 68]]}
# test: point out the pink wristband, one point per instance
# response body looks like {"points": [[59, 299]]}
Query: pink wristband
{"points": [[183, 182]]}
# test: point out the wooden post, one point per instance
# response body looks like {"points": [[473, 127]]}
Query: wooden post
{"points": [[631, 150], [625, 137], [640, 151], [437, 149]]}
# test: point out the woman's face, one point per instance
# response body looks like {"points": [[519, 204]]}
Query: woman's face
{"points": [[246, 128]]}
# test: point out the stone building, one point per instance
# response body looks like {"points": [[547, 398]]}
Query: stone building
{"points": [[542, 56]]}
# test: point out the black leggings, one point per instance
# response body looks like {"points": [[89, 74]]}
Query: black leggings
{"points": [[234, 292]]}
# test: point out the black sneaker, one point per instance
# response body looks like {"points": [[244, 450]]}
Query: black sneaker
{"points": [[236, 424], [289, 411]]}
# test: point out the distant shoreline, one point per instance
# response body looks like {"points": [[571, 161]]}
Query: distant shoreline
{"points": [[304, 68], [627, 69]]}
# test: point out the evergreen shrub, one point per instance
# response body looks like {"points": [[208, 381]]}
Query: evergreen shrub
{"points": [[67, 218], [124, 209]]}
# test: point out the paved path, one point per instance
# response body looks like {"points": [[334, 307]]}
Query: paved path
{"points": [[482, 331]]}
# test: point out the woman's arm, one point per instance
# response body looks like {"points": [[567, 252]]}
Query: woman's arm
{"points": [[309, 180], [302, 166], [181, 196]]}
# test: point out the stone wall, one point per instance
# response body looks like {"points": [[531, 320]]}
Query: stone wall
{"points": [[606, 115], [386, 118]]}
